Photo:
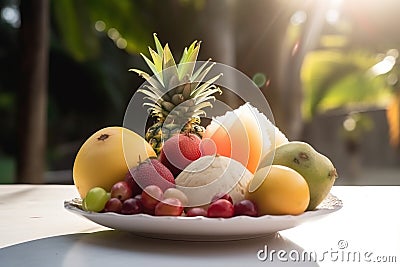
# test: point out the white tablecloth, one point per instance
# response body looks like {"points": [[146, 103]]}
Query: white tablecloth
{"points": [[36, 230]]}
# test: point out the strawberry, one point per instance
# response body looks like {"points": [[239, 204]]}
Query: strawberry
{"points": [[149, 172]]}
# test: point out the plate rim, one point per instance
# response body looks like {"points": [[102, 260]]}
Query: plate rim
{"points": [[330, 204], [68, 205]]}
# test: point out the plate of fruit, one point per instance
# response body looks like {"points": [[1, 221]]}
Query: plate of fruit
{"points": [[237, 177], [198, 224]]}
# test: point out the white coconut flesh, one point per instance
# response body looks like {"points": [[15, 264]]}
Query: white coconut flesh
{"points": [[271, 134], [209, 175]]}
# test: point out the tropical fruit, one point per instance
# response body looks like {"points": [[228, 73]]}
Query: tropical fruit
{"points": [[179, 151], [316, 168], [177, 95], [245, 135], [106, 157], [150, 172], [207, 176], [278, 190]]}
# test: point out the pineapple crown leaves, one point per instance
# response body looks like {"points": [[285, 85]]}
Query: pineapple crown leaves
{"points": [[163, 61], [174, 84]]}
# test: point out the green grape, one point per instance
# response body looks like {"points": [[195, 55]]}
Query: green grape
{"points": [[84, 204], [96, 199]]}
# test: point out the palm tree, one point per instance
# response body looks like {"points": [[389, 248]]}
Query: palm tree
{"points": [[32, 106]]}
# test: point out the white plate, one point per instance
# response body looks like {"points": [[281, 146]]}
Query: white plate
{"points": [[201, 228]]}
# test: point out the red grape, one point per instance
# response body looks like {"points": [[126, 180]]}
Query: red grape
{"points": [[136, 189], [148, 211], [222, 196], [121, 190], [169, 207], [151, 195], [131, 206], [196, 212], [113, 205], [245, 207], [220, 208]]}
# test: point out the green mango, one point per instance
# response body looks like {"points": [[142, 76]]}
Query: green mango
{"points": [[316, 168]]}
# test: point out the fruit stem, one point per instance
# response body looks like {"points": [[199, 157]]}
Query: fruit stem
{"points": [[303, 155], [333, 174], [103, 137]]}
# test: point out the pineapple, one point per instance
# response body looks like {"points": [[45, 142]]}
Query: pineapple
{"points": [[176, 93]]}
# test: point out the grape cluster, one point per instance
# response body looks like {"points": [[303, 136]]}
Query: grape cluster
{"points": [[222, 206], [153, 201]]}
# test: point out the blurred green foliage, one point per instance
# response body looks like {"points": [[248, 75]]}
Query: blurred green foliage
{"points": [[339, 78], [94, 43], [75, 21]]}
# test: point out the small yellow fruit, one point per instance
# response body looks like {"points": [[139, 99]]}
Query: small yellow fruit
{"points": [[278, 190], [106, 157], [316, 168]]}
